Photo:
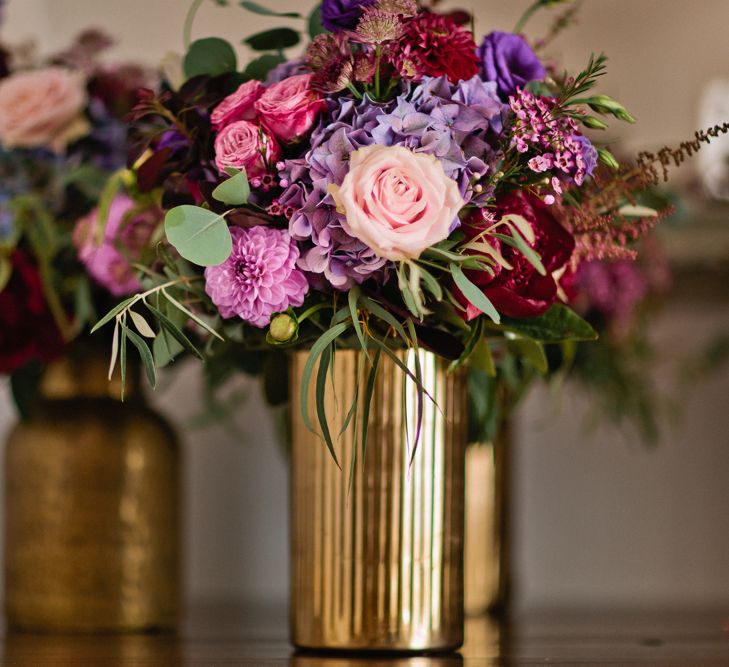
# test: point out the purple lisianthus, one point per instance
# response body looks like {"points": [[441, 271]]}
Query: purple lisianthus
{"points": [[508, 60], [286, 70], [586, 158], [259, 278], [342, 14]]}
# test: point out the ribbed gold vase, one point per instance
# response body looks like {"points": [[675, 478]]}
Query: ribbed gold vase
{"points": [[377, 547], [91, 508]]}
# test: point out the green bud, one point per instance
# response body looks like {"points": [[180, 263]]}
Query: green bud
{"points": [[607, 158], [593, 123], [283, 328]]}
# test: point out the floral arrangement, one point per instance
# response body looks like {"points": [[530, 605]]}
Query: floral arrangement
{"points": [[401, 185], [68, 239]]}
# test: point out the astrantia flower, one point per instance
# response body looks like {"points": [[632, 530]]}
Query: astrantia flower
{"points": [[342, 14], [435, 45], [328, 56], [259, 278], [404, 8], [377, 27]]}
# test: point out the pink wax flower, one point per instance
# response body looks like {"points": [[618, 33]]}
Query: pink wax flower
{"points": [[126, 234], [238, 106], [244, 145], [396, 201], [42, 108], [290, 108], [259, 278]]}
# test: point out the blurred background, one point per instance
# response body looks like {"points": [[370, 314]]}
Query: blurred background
{"points": [[600, 518]]}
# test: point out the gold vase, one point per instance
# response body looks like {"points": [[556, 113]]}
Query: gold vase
{"points": [[377, 547], [91, 507], [486, 560]]}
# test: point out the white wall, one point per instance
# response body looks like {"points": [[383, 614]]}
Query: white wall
{"points": [[598, 520]]}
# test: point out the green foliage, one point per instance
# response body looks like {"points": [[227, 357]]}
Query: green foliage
{"points": [[314, 22], [558, 324], [212, 56], [234, 191], [260, 67], [199, 235], [265, 11], [276, 39]]}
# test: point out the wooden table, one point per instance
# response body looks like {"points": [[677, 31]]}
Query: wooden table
{"points": [[222, 637]]}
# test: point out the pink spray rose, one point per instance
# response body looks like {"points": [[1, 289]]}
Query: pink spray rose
{"points": [[242, 145], [42, 108], [126, 234], [238, 106], [396, 201], [290, 108]]}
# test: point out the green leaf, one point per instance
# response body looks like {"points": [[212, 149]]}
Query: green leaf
{"points": [[233, 191], [265, 11], [171, 328], [113, 313], [352, 298], [210, 55], [418, 388], [314, 23], [525, 249], [6, 270], [377, 310], [260, 67], [25, 385], [165, 348], [531, 350], [108, 194], [558, 324], [123, 360], [321, 413], [144, 353], [369, 392], [481, 357], [474, 295], [276, 39], [199, 235]]}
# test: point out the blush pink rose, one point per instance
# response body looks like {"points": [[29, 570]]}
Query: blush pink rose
{"points": [[397, 202], [243, 145], [290, 108], [238, 106], [42, 108]]}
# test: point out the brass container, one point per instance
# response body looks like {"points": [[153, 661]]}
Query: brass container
{"points": [[91, 508], [486, 560], [377, 547]]}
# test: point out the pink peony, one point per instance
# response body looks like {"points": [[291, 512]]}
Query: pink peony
{"points": [[289, 108], [238, 106], [126, 234], [259, 278], [396, 201], [42, 108], [243, 145]]}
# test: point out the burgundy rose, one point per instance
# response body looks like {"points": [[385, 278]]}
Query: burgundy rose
{"points": [[27, 328], [522, 291]]}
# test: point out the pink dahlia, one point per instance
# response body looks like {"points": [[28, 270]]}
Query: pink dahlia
{"points": [[435, 45], [259, 278]]}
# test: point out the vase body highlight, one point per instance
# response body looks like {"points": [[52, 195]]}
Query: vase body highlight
{"points": [[377, 547], [91, 508]]}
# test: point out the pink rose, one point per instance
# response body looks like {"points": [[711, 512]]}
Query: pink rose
{"points": [[42, 108], [289, 108], [242, 145], [397, 202], [238, 106], [127, 233]]}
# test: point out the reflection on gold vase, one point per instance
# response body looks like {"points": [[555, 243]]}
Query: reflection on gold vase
{"points": [[91, 507], [377, 547]]}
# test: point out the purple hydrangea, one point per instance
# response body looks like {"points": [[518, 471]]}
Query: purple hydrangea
{"points": [[456, 123], [342, 14], [259, 278], [509, 61]]}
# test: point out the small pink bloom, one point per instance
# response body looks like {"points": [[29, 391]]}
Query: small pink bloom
{"points": [[42, 108], [290, 108], [238, 106], [396, 201], [243, 145]]}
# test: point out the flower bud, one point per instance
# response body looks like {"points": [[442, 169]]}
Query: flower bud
{"points": [[283, 328]]}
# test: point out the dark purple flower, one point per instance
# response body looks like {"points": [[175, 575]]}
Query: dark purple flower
{"points": [[342, 14], [508, 60]]}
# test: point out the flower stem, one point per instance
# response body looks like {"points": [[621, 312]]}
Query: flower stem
{"points": [[354, 91], [378, 57], [531, 10], [189, 20]]}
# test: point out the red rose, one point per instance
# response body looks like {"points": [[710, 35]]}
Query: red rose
{"points": [[27, 328], [522, 291]]}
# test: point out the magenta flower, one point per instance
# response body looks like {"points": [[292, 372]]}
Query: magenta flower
{"points": [[259, 278]]}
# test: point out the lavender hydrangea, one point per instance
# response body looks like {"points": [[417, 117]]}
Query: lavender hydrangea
{"points": [[456, 123], [259, 278]]}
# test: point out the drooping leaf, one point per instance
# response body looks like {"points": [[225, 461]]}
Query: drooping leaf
{"points": [[212, 56], [233, 191], [276, 39], [558, 324], [113, 313], [24, 385], [314, 22], [474, 295], [321, 380], [142, 324], [260, 67], [199, 235], [265, 11], [144, 353], [367, 403], [352, 298]]}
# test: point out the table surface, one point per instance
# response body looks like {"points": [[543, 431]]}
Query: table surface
{"points": [[253, 637]]}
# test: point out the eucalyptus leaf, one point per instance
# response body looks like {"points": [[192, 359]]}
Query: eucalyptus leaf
{"points": [[233, 191], [212, 56], [199, 235], [273, 40], [260, 67], [255, 8], [314, 23]]}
